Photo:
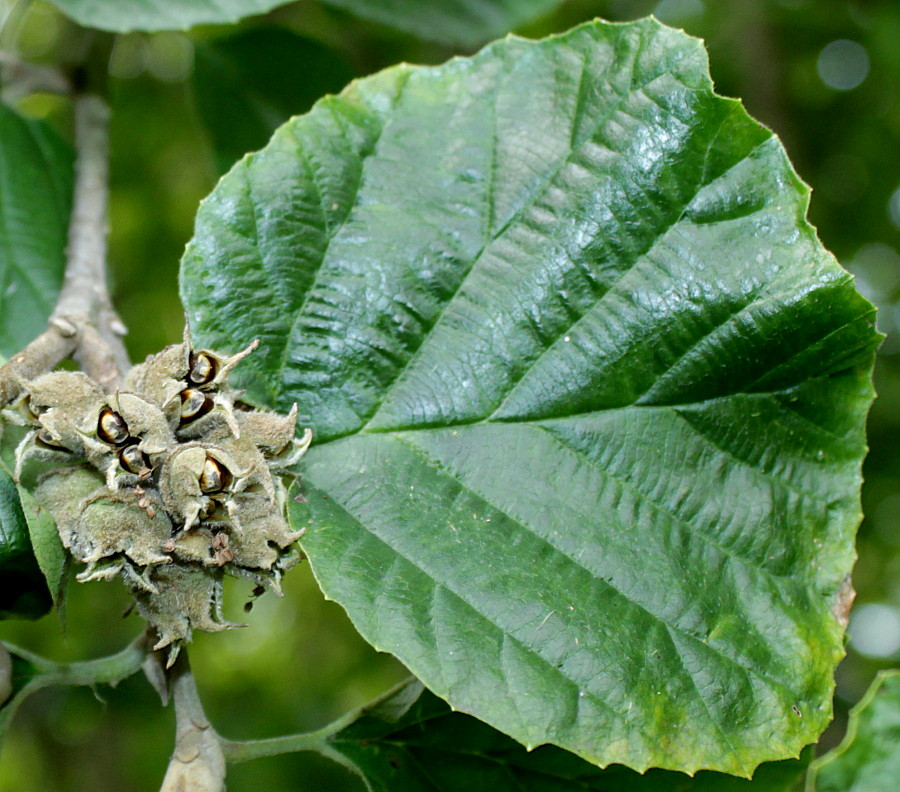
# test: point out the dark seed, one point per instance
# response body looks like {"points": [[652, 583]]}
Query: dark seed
{"points": [[202, 368], [213, 511], [111, 427], [30, 411], [132, 459], [194, 404], [214, 478]]}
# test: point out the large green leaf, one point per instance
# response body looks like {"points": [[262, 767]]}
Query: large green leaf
{"points": [[123, 16], [410, 741], [23, 591], [462, 22], [868, 760], [35, 200], [245, 85], [588, 393]]}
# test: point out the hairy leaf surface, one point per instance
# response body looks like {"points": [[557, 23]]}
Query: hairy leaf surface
{"points": [[410, 741], [23, 590], [588, 394], [35, 201], [868, 760]]}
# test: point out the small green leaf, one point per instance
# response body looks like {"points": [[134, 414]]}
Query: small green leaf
{"points": [[868, 759], [467, 23], [23, 589], [124, 16], [243, 98], [410, 741], [588, 394], [35, 200], [49, 552]]}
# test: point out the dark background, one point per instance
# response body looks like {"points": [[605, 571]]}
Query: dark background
{"points": [[824, 74]]}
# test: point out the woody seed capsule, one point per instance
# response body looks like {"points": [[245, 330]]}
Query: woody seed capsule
{"points": [[211, 504]]}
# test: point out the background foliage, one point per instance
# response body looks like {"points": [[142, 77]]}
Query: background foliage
{"points": [[835, 105]]}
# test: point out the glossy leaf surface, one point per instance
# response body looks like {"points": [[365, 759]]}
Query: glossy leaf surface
{"points": [[123, 16], [588, 394], [35, 201], [868, 760], [410, 741], [23, 591]]}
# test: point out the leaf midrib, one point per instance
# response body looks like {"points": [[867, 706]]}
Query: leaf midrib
{"points": [[516, 218], [534, 196]]}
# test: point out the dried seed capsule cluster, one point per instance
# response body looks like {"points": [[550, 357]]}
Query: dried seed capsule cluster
{"points": [[165, 483]]}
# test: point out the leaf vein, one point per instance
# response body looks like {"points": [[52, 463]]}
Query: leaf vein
{"points": [[530, 529]]}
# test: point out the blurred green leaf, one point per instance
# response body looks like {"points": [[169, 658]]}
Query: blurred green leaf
{"points": [[410, 741], [35, 200], [868, 760], [21, 672], [466, 23], [589, 395], [463, 22], [248, 84], [6, 687], [23, 590], [48, 548], [124, 16]]}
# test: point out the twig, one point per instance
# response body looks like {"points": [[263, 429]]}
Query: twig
{"points": [[84, 300], [105, 670], [197, 764], [21, 78], [245, 750], [56, 343], [84, 324]]}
